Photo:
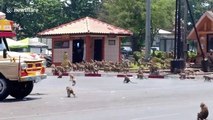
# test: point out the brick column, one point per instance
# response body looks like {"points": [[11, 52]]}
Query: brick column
{"points": [[119, 48], [88, 48]]}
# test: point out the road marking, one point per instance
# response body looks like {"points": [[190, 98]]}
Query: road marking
{"points": [[158, 116]]}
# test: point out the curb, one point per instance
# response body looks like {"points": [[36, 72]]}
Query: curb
{"points": [[120, 75]]}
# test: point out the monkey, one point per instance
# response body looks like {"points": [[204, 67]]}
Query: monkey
{"points": [[60, 74], [182, 75], [72, 78], [140, 74], [127, 79], [207, 78], [203, 114], [57, 69], [70, 91], [60, 71]]}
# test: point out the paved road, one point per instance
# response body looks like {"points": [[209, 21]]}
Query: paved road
{"points": [[107, 98]]}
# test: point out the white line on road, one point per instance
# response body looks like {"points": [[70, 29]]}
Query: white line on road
{"points": [[158, 116]]}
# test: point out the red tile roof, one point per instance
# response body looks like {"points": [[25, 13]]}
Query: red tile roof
{"points": [[86, 25]]}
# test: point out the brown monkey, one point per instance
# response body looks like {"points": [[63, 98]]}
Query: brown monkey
{"points": [[140, 74], [70, 91], [207, 78], [127, 80], [182, 75], [203, 113], [72, 78]]}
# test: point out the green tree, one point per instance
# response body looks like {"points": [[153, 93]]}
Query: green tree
{"points": [[74, 9], [126, 14], [39, 15], [198, 8], [33, 15], [163, 12], [131, 15]]}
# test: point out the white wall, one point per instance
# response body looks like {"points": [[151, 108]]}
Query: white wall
{"points": [[58, 53]]}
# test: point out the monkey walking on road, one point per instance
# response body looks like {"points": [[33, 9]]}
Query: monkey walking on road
{"points": [[127, 80], [60, 74], [203, 114], [207, 78], [72, 78], [70, 91]]}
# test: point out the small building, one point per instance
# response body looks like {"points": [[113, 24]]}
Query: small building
{"points": [[205, 32], [34, 45], [164, 40], [27, 45], [85, 39]]}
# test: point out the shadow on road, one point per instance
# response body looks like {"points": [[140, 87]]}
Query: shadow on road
{"points": [[20, 100], [37, 94]]}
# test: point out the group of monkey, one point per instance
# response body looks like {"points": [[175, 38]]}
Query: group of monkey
{"points": [[202, 115], [70, 91]]}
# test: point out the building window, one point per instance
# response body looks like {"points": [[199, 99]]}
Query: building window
{"points": [[61, 44], [111, 42]]}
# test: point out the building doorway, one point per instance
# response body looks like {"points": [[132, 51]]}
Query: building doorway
{"points": [[209, 42], [78, 50], [98, 49]]}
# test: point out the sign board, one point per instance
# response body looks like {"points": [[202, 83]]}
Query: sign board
{"points": [[6, 25]]}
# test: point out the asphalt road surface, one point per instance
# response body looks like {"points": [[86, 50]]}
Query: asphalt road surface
{"points": [[108, 98]]}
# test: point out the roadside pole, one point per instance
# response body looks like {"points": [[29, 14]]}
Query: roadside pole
{"points": [[148, 32]]}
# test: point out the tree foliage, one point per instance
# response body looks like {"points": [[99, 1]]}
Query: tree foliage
{"points": [[81, 8], [126, 14], [131, 15], [34, 16], [198, 8], [163, 12]]}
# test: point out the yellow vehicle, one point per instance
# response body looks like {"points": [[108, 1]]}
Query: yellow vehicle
{"points": [[18, 71]]}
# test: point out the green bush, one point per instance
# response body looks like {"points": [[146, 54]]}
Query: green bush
{"points": [[191, 55]]}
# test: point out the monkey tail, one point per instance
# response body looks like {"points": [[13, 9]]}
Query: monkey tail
{"points": [[133, 82]]}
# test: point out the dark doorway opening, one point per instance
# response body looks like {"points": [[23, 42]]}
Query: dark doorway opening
{"points": [[98, 47], [78, 50], [209, 42]]}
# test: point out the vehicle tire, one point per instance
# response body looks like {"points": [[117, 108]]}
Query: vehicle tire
{"points": [[21, 89], [48, 64], [4, 88]]}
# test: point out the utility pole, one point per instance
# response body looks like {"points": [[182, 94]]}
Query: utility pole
{"points": [[148, 31], [178, 63], [185, 29]]}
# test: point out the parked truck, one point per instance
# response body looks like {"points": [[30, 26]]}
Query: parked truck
{"points": [[18, 71]]}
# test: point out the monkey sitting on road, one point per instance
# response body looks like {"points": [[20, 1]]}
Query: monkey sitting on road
{"points": [[70, 91], [127, 79], [182, 75], [72, 78], [203, 113], [140, 74]]}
